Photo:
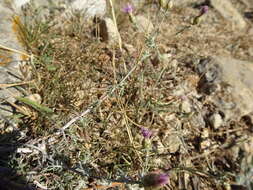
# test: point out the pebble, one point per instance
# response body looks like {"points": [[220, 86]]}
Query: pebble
{"points": [[216, 120], [35, 98], [186, 107], [108, 31]]}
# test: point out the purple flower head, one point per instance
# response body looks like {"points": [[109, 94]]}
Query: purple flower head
{"points": [[162, 179], [128, 8], [146, 133], [155, 180], [204, 9]]}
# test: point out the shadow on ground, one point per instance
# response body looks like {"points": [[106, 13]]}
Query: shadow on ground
{"points": [[10, 179]]}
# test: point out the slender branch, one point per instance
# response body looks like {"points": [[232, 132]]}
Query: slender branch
{"points": [[14, 50]]}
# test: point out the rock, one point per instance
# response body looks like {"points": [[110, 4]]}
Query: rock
{"points": [[35, 98], [172, 143], [88, 8], [9, 75], [205, 144], [228, 84], [9, 60], [197, 120], [158, 146], [144, 25], [186, 106], [17, 4], [9, 37], [216, 120], [108, 31], [129, 48], [65, 9], [226, 9], [5, 110]]}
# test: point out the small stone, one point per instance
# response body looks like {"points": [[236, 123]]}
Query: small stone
{"points": [[144, 25], [35, 98], [186, 107], [129, 48], [172, 143], [205, 133], [24, 150], [108, 31], [216, 120], [205, 144], [235, 152], [197, 120], [158, 147], [9, 129]]}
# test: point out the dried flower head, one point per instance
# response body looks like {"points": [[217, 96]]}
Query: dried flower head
{"points": [[204, 9], [155, 180], [128, 8], [146, 133]]}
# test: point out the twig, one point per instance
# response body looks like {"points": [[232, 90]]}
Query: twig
{"points": [[14, 50], [15, 84]]}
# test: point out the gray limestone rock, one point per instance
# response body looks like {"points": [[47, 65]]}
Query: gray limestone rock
{"points": [[186, 106], [9, 60], [90, 7], [228, 83], [108, 31], [216, 120]]}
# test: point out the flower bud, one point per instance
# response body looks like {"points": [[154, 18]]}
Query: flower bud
{"points": [[155, 180]]}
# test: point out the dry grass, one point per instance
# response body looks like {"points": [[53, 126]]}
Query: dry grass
{"points": [[73, 69]]}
